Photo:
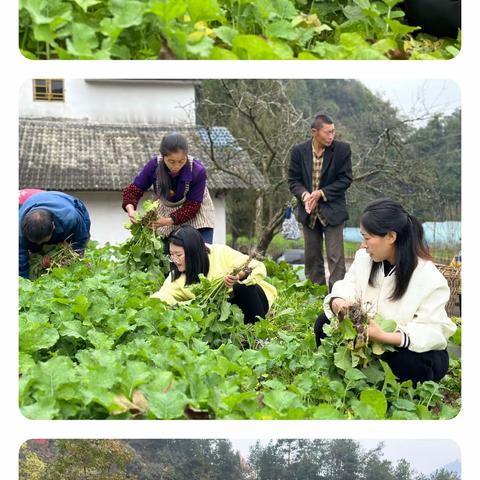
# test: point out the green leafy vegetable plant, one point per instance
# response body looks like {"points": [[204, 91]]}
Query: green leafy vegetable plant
{"points": [[94, 345], [223, 30]]}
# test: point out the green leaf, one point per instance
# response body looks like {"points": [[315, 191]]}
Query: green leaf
{"points": [[423, 412], [45, 409], [373, 373], [127, 13], [307, 56], [378, 348], [282, 29], [36, 337], [168, 10], [218, 53], [187, 328], [275, 384], [204, 10], [404, 404], [364, 411], [279, 400], [226, 34], [135, 374], [37, 9], [281, 49], [82, 36], [354, 375], [362, 3], [385, 324], [390, 378], [100, 340], [28, 55], [84, 4], [169, 405], [73, 328], [391, 3], [326, 412], [55, 373], [343, 358], [348, 330], [43, 33], [376, 400], [251, 47], [400, 28], [285, 8], [403, 415], [448, 412]]}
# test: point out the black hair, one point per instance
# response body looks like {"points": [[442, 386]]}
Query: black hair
{"points": [[171, 143], [196, 253], [384, 215], [37, 225], [320, 120]]}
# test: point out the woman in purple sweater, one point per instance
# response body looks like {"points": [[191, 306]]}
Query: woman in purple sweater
{"points": [[180, 183]]}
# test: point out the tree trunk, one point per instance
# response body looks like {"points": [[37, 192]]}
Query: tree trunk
{"points": [[259, 216], [269, 231]]}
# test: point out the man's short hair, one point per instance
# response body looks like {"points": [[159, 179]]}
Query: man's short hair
{"points": [[320, 120], [37, 225]]}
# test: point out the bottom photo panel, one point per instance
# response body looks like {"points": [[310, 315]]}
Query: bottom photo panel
{"points": [[240, 459]]}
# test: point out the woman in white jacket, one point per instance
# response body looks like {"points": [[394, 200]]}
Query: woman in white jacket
{"points": [[393, 276]]}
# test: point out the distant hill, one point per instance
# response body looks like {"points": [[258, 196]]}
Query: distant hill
{"points": [[454, 466]]}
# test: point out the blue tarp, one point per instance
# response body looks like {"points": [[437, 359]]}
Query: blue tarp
{"points": [[448, 233]]}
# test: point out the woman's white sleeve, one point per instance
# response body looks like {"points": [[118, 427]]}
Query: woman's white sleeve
{"points": [[430, 328]]}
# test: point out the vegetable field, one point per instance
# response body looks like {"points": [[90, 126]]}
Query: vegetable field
{"points": [[223, 30], [93, 345]]}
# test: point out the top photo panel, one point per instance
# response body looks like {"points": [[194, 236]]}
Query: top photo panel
{"points": [[239, 29]]}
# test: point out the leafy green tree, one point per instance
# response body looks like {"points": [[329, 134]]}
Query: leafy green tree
{"points": [[30, 466], [375, 467], [403, 470], [343, 459], [91, 459], [444, 474]]}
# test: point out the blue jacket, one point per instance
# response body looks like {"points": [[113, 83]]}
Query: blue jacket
{"points": [[71, 221]]}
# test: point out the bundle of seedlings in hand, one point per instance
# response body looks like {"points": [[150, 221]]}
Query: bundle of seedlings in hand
{"points": [[60, 255], [145, 247], [144, 228], [352, 332], [215, 291], [359, 318]]}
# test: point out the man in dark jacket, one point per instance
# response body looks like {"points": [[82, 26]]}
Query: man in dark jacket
{"points": [[319, 174], [51, 218], [441, 18]]}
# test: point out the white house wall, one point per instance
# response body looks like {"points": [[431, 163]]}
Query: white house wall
{"points": [[108, 218], [116, 101]]}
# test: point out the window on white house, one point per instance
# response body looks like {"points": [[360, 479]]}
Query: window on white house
{"points": [[50, 90]]}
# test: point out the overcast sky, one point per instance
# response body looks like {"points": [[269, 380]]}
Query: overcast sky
{"points": [[425, 456], [417, 96]]}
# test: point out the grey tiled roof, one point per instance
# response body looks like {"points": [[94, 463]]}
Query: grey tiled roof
{"points": [[76, 154]]}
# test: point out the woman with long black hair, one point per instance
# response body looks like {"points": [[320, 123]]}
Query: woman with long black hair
{"points": [[393, 276], [190, 257], [180, 183], [441, 18]]}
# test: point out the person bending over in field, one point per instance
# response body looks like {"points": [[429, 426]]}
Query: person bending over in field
{"points": [[441, 18], [394, 276], [51, 218], [179, 182], [189, 257]]}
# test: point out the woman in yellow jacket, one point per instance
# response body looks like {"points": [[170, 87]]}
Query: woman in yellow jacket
{"points": [[190, 257]]}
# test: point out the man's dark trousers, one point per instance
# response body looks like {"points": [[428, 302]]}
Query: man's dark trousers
{"points": [[314, 261]]}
